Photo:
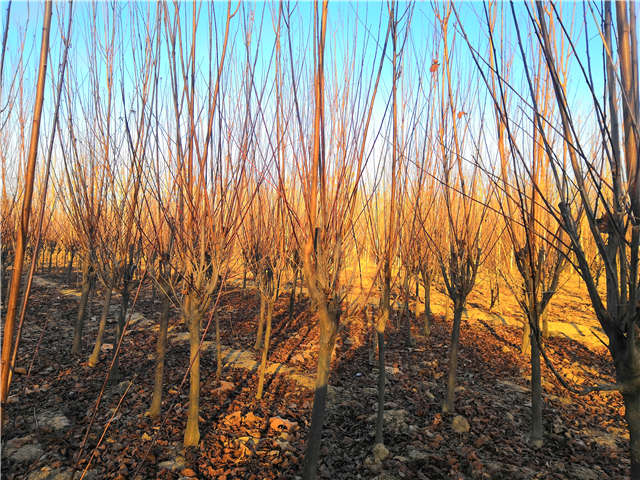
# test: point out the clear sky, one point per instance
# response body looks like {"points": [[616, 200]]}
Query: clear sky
{"points": [[355, 33]]}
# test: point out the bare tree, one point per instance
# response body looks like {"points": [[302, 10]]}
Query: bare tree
{"points": [[16, 275]]}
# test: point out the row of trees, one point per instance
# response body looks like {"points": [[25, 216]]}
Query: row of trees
{"points": [[199, 143]]}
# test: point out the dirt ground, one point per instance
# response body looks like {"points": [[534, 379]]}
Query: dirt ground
{"points": [[59, 420]]}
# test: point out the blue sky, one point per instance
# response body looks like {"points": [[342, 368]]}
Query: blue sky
{"points": [[352, 26]]}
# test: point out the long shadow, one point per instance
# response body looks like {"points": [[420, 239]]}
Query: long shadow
{"points": [[496, 335]]}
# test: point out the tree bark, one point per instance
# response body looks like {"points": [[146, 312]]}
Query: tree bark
{"points": [[87, 285], [95, 355], [406, 313], [292, 299], [192, 430], [161, 348], [537, 429], [122, 320], [218, 347], [544, 319], [428, 317], [526, 339], [381, 383], [632, 416], [70, 266], [258, 343], [328, 332], [265, 348], [448, 403], [29, 174]]}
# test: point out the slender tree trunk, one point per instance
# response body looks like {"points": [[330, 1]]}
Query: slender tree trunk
{"points": [[95, 355], [70, 266], [406, 313], [259, 338], [87, 285], [537, 429], [328, 332], [192, 430], [380, 328], [23, 230], [428, 317], [449, 401], [218, 346], [381, 382], [265, 348], [161, 349], [292, 299], [50, 259], [122, 319], [371, 339]]}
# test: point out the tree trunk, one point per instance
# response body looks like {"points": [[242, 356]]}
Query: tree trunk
{"points": [[328, 332], [265, 349], [526, 339], [161, 349], [122, 319], [371, 338], [292, 299], [192, 430], [70, 266], [428, 317], [87, 285], [381, 382], [95, 355], [447, 406], [258, 343], [537, 430], [406, 314], [545, 325], [244, 277], [218, 347], [632, 416]]}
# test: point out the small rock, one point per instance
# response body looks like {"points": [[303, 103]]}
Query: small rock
{"points": [[42, 474], [53, 421], [106, 347], [176, 464], [417, 455], [380, 452], [460, 424], [25, 454], [584, 473], [47, 473], [372, 464], [392, 370], [395, 421]]}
